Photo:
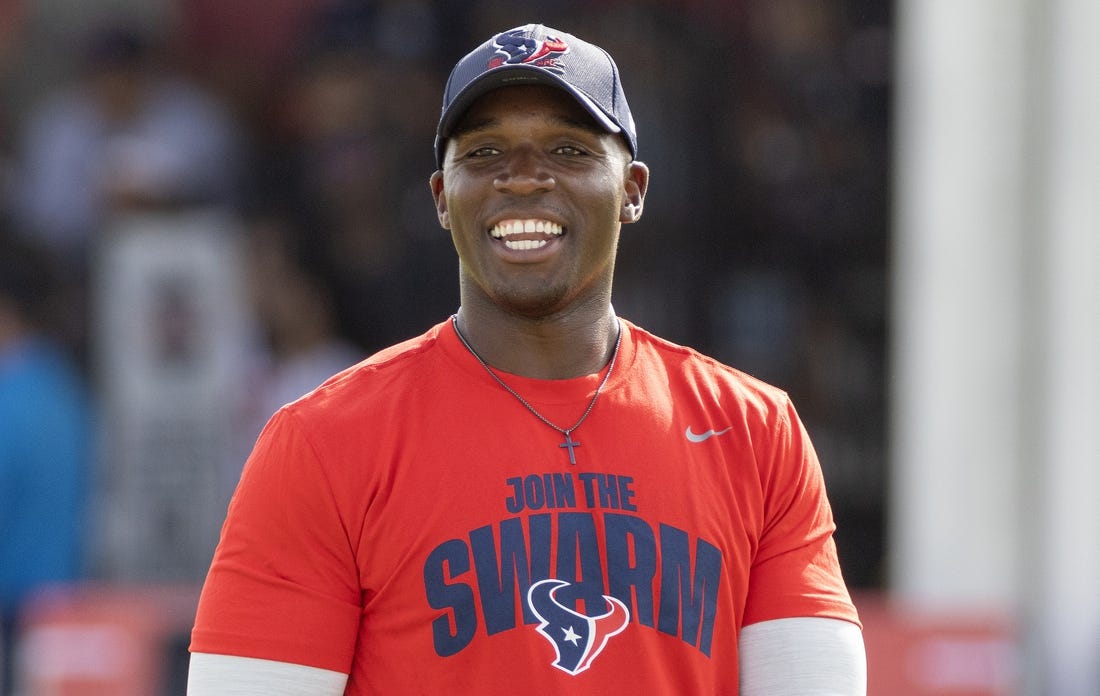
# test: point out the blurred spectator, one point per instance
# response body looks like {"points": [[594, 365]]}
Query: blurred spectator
{"points": [[294, 308], [242, 49], [44, 443], [129, 135], [341, 162]]}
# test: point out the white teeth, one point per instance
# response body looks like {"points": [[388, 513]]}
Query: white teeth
{"points": [[526, 244], [509, 227]]}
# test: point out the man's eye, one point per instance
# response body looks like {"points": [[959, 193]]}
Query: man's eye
{"points": [[483, 152], [569, 150]]}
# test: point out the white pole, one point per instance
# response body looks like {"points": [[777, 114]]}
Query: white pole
{"points": [[996, 344], [1064, 611], [958, 266]]}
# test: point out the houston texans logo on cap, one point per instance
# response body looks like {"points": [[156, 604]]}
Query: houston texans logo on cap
{"points": [[577, 638], [513, 48]]}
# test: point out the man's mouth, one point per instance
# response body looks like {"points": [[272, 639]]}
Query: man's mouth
{"points": [[526, 235]]}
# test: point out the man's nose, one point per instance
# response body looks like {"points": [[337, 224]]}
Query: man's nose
{"points": [[524, 173]]}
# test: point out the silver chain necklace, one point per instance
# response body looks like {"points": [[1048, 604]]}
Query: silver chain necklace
{"points": [[569, 443]]}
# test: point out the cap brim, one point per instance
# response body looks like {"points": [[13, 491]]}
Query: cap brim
{"points": [[512, 76]]}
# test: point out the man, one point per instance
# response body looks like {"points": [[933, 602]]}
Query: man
{"points": [[535, 496]]}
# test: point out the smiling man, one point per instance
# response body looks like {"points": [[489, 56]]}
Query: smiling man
{"points": [[536, 495]]}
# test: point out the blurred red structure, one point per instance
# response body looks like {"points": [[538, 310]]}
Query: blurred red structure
{"points": [[915, 652], [93, 640]]}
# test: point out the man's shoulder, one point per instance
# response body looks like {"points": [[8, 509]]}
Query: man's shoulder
{"points": [[699, 368], [391, 368]]}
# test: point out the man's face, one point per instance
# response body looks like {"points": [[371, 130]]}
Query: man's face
{"points": [[534, 194]]}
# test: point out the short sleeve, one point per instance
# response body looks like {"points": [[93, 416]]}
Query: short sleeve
{"points": [[796, 572], [283, 584]]}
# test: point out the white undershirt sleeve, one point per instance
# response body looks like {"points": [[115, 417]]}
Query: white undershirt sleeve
{"points": [[802, 657], [221, 675]]}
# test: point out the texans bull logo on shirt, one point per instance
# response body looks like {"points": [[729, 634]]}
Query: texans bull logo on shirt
{"points": [[579, 566], [560, 625]]}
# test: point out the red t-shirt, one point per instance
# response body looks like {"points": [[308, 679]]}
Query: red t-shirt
{"points": [[411, 524]]}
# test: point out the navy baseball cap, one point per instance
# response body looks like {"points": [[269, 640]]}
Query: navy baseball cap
{"points": [[537, 55]]}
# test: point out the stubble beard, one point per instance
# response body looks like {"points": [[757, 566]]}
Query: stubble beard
{"points": [[532, 299]]}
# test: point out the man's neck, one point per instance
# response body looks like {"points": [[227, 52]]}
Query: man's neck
{"points": [[563, 346]]}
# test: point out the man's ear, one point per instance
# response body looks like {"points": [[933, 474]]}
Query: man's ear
{"points": [[636, 183], [436, 183]]}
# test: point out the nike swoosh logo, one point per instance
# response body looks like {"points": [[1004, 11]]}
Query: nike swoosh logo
{"points": [[700, 437]]}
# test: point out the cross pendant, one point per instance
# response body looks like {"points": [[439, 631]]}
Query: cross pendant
{"points": [[570, 443]]}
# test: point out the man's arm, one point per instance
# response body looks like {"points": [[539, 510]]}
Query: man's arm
{"points": [[802, 657], [215, 675]]}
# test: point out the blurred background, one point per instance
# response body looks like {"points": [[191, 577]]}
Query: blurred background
{"points": [[886, 208]]}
